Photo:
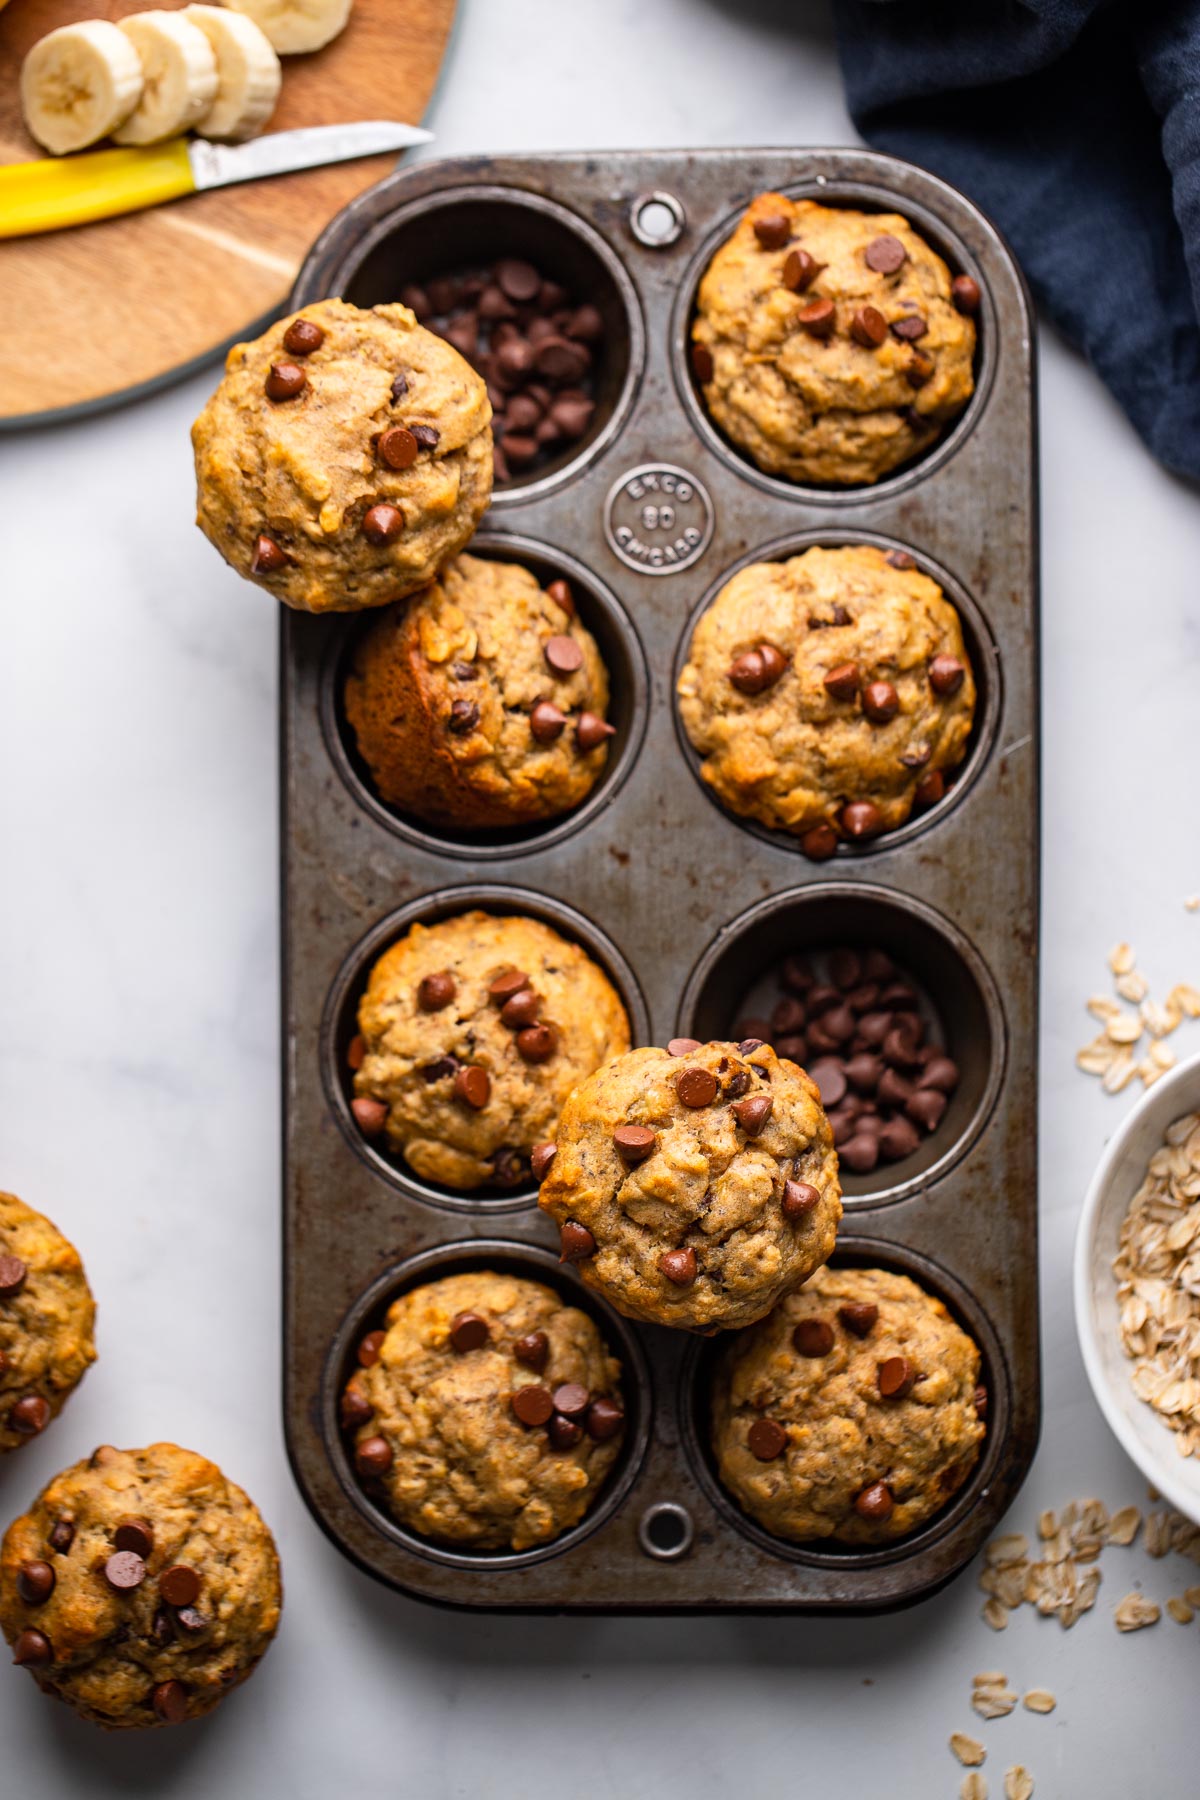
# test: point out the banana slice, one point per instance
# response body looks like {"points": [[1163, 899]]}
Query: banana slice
{"points": [[248, 73], [79, 83], [179, 76], [294, 26]]}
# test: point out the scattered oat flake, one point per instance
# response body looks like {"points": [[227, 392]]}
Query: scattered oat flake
{"points": [[1124, 1525], [1132, 987], [974, 1787], [1126, 1028], [1119, 1073], [1018, 1783], [1103, 1007], [969, 1751], [993, 1702], [1186, 998], [1135, 1612], [1009, 1548], [995, 1614], [1179, 1610], [1121, 958], [990, 1678], [1039, 1700], [1192, 1596], [1192, 902]]}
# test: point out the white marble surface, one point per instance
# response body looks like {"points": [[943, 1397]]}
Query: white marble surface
{"points": [[139, 1086]]}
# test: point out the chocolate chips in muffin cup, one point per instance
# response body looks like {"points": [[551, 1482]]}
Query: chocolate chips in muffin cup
{"points": [[536, 346], [867, 1036]]}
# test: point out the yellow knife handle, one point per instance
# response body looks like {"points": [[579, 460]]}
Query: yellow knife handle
{"points": [[73, 190]]}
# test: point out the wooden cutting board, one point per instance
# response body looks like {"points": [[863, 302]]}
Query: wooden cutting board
{"points": [[90, 315]]}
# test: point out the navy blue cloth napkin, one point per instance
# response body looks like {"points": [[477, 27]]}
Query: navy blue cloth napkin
{"points": [[1075, 124]]}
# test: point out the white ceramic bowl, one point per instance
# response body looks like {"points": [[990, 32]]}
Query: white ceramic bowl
{"points": [[1122, 1169]]}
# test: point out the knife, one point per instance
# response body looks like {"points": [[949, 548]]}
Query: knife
{"points": [[72, 190]]}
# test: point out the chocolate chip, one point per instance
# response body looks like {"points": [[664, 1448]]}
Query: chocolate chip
{"points": [[766, 1440], [369, 1348], [532, 1405], [136, 1534], [502, 987], [861, 819], [558, 359], [374, 1456], [537, 1043], [169, 1700], [32, 1647], [285, 380], [563, 655], [875, 1502], [818, 318], [799, 1199], [576, 1242], [792, 1048], [586, 324], [356, 1051], [774, 662], [179, 1585], [896, 1377], [842, 681], [444, 291], [788, 1014], [819, 843], [918, 372], [885, 254], [772, 230], [679, 1266], [981, 1402], [125, 1570], [900, 559], [858, 1316], [13, 1274], [868, 327], [900, 1046], [873, 1027], [893, 1090], [190, 1621], [560, 592], [399, 385], [839, 1023], [863, 1071], [463, 334], [354, 1409], [509, 1167], [800, 270], [702, 362], [29, 1415], [563, 1434], [162, 1631], [939, 1072], [753, 1113], [370, 1115], [302, 337], [473, 1085], [540, 1158], [965, 294], [683, 1046], [696, 1087], [908, 330], [898, 1139], [901, 996], [439, 1069], [436, 991], [532, 1350], [62, 1536], [520, 281], [35, 1582], [813, 1337], [748, 673], [468, 1331], [571, 1400], [604, 1420], [829, 1073], [634, 1143], [930, 789], [546, 722], [571, 416], [382, 524], [880, 702], [268, 557], [926, 1107], [521, 1010], [397, 447], [946, 675], [860, 1153]]}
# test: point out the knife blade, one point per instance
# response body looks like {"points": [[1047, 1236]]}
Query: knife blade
{"points": [[74, 190]]}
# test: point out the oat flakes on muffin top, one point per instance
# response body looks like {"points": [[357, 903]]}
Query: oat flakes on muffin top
{"points": [[481, 701], [831, 345], [829, 695]]}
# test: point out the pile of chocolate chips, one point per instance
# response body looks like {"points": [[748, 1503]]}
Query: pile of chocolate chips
{"points": [[534, 346], [857, 1028]]}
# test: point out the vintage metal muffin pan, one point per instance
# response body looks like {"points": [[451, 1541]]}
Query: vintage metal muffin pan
{"points": [[687, 907]]}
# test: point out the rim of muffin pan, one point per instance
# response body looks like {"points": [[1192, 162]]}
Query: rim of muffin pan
{"points": [[856, 1251], [983, 653], [339, 1022], [629, 706], [508, 1257], [943, 963], [868, 197], [495, 219]]}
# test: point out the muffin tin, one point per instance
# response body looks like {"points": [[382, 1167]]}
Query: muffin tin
{"points": [[685, 906]]}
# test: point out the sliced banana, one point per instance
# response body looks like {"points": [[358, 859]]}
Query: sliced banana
{"points": [[294, 26], [179, 76], [248, 73], [79, 83]]}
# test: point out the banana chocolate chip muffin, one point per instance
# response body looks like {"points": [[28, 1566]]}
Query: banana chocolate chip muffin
{"points": [[693, 1185], [472, 1032], [854, 1412], [831, 345], [47, 1316], [344, 458], [488, 1412], [830, 695], [140, 1587], [481, 701]]}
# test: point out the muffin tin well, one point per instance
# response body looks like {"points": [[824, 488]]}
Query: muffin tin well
{"points": [[685, 905]]}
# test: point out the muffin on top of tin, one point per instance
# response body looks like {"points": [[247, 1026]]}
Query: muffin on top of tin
{"points": [[345, 456], [47, 1316], [488, 1412], [482, 701], [831, 345], [853, 1412], [472, 1032], [829, 695], [693, 1186], [140, 1587]]}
